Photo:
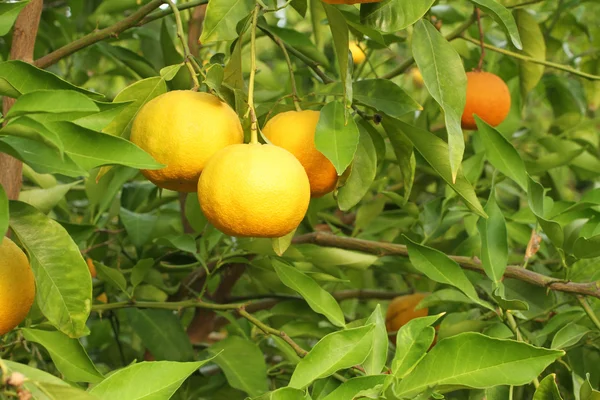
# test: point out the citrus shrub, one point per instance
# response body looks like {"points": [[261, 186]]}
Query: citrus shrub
{"points": [[402, 310], [254, 190], [183, 129], [488, 97], [295, 132], [17, 286], [358, 56]]}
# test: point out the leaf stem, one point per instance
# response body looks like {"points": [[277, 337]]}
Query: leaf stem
{"points": [[251, 108], [295, 97], [187, 55], [588, 310], [534, 60]]}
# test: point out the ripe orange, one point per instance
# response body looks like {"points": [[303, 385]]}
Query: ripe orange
{"points": [[295, 132], [358, 56], [488, 97], [183, 130], [17, 286], [254, 190], [402, 310]]}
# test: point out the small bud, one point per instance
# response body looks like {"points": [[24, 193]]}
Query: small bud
{"points": [[16, 379]]}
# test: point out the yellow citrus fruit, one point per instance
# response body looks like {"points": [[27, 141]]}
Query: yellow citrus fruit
{"points": [[254, 190], [417, 78], [183, 130], [295, 132], [17, 286], [488, 97], [402, 310], [358, 56]]}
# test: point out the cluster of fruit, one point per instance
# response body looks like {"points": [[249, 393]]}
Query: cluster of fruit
{"points": [[245, 190]]}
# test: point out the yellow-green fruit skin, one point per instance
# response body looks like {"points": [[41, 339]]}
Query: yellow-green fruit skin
{"points": [[17, 286], [183, 129], [254, 190], [295, 132]]}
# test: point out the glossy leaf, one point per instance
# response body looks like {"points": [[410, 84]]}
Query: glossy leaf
{"points": [[587, 247], [68, 355], [384, 96], [53, 101], [147, 380], [284, 393], [63, 283], [112, 276], [587, 392], [352, 388], [494, 240], [503, 17], [249, 376], [221, 19], [405, 155], [362, 173], [161, 333], [548, 390], [501, 153], [46, 199], [553, 229], [335, 351], [317, 298], [377, 358], [445, 78], [341, 41], [393, 15], [412, 342], [440, 268], [513, 363], [534, 46], [8, 15], [335, 137], [569, 335]]}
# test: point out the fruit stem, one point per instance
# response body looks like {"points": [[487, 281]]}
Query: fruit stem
{"points": [[187, 55], [295, 97], [481, 36], [252, 110]]}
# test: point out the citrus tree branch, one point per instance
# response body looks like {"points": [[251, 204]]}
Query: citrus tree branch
{"points": [[97, 36], [391, 249], [523, 57], [163, 13], [186, 49], [589, 311]]}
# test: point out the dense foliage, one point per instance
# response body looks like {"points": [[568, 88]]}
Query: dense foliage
{"points": [[139, 297]]}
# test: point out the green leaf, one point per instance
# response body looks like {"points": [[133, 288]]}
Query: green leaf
{"points": [[385, 96], [317, 298], [8, 15], [64, 295], [112, 276], [445, 78], [3, 213], [243, 363], [281, 244], [179, 77], [501, 153], [587, 247], [405, 155], [147, 380], [569, 335], [394, 15], [298, 41], [494, 240], [352, 388], [440, 268], [484, 362], [140, 270], [341, 41], [28, 128], [284, 393], [362, 173], [412, 342], [35, 377], [68, 355], [377, 358], [547, 390], [18, 77], [338, 350], [535, 196], [139, 93], [222, 17], [135, 64], [587, 392], [53, 101], [139, 227], [434, 150], [335, 137], [503, 17], [49, 391], [46, 199], [161, 333], [533, 46], [168, 73]]}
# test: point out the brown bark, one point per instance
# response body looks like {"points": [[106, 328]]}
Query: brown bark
{"points": [[23, 42], [195, 29]]}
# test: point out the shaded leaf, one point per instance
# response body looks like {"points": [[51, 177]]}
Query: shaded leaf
{"points": [[534, 46], [547, 390], [393, 15], [221, 19], [494, 240], [503, 17]]}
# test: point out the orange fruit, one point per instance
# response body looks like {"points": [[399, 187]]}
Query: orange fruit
{"points": [[183, 130], [402, 310], [358, 56], [91, 267], [254, 190], [295, 132], [488, 97], [17, 286]]}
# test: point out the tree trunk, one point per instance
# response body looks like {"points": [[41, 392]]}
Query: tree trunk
{"points": [[23, 42]]}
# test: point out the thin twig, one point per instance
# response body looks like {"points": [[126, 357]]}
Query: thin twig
{"points": [[187, 55], [163, 13], [481, 36], [295, 97], [589, 311]]}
